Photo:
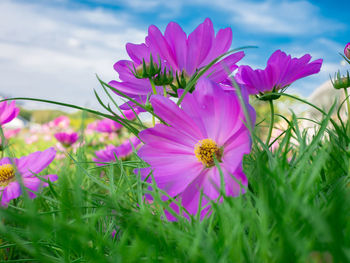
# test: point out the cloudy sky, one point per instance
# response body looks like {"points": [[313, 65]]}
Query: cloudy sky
{"points": [[53, 49]]}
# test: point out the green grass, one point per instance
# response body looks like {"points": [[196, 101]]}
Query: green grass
{"points": [[296, 209]]}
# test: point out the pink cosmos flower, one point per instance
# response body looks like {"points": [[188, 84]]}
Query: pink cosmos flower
{"points": [[210, 122], [347, 50], [281, 71], [27, 167], [8, 111], [189, 54], [178, 52], [108, 126], [67, 139], [9, 133], [60, 122], [110, 153]]}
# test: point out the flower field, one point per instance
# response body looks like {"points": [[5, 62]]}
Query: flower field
{"points": [[206, 177]]}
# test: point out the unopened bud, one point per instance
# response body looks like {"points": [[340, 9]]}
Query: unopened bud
{"points": [[347, 50], [341, 82]]}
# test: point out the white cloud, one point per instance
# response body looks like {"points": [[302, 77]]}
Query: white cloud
{"points": [[54, 53], [293, 18], [288, 18]]}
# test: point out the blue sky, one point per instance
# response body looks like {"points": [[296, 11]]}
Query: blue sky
{"points": [[52, 49]]}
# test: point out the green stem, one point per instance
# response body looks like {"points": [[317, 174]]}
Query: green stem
{"points": [[155, 93], [164, 91], [271, 123], [348, 106]]}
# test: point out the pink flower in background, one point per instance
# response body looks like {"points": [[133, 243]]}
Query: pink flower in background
{"points": [[111, 126], [67, 139], [347, 50], [61, 122], [108, 126], [8, 111], [9, 133], [281, 71], [110, 153], [181, 53], [210, 122], [27, 167], [31, 139]]}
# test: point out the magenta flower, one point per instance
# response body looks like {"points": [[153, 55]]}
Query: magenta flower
{"points": [[210, 122], [67, 139], [8, 111], [189, 54], [181, 53], [111, 152], [27, 168], [347, 50], [108, 126], [9, 133], [281, 71], [61, 122]]}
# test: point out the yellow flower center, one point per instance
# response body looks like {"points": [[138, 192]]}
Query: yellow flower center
{"points": [[7, 174], [205, 150]]}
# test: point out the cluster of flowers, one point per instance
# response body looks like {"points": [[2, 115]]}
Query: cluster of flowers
{"points": [[19, 174], [24, 170], [195, 152], [194, 87]]}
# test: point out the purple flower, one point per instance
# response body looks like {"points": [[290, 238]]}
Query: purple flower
{"points": [[8, 111], [189, 54], [67, 139], [181, 53], [60, 122], [281, 71], [108, 126], [347, 50], [27, 167], [111, 152], [210, 122]]}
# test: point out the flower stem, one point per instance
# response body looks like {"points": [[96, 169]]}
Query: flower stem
{"points": [[271, 123], [155, 93], [164, 91], [348, 106]]}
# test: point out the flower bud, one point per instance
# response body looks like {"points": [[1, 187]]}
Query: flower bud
{"points": [[347, 50], [341, 82]]}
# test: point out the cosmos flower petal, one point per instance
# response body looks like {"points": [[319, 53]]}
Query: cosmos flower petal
{"points": [[8, 111], [221, 44], [177, 40], [210, 104], [162, 133], [35, 162], [135, 88], [12, 191], [223, 68], [138, 52], [124, 68], [32, 183], [200, 42], [158, 45], [172, 115]]}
